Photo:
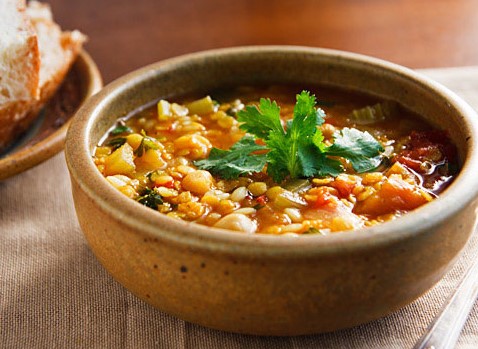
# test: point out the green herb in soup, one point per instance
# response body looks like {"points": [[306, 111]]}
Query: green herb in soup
{"points": [[297, 151], [264, 160]]}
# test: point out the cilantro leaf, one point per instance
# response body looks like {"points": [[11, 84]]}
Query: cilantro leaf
{"points": [[297, 151], [259, 121], [116, 142], [360, 148], [279, 148], [316, 163], [121, 129], [283, 157], [318, 140], [150, 198], [236, 161], [305, 113]]}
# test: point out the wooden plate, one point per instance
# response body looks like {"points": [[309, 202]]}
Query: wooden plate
{"points": [[46, 136]]}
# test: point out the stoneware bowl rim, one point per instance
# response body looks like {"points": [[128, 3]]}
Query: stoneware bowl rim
{"points": [[139, 218]]}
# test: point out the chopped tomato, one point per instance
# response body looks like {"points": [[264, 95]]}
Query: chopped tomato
{"points": [[431, 146], [169, 184], [409, 162], [324, 199], [262, 200], [344, 186], [394, 195]]}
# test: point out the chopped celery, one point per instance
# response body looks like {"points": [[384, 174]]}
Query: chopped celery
{"points": [[179, 110], [289, 199], [164, 110], [374, 113], [297, 185], [201, 106]]}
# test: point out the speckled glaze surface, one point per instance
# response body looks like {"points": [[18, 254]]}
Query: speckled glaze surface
{"points": [[272, 285], [48, 138]]}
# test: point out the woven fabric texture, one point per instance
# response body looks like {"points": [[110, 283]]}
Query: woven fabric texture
{"points": [[55, 294]]}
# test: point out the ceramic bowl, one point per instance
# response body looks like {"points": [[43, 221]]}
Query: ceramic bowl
{"points": [[46, 136], [272, 285]]}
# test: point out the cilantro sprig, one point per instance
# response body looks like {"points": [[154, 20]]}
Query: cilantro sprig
{"points": [[239, 160], [296, 151], [150, 198]]}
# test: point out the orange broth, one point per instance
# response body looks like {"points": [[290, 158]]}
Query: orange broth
{"points": [[418, 163]]}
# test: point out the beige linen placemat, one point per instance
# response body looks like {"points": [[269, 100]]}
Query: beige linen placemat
{"points": [[55, 294]]}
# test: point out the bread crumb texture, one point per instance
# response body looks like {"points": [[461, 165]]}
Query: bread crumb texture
{"points": [[35, 56]]}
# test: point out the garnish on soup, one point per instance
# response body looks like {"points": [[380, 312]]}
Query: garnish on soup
{"points": [[296, 151], [269, 165]]}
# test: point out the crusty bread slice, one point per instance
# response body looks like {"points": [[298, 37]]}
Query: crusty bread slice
{"points": [[58, 51], [19, 66]]}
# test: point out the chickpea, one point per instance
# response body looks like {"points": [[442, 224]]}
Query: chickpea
{"points": [[195, 146], [192, 210], [124, 184], [239, 194], [273, 192], [237, 222], [199, 182], [257, 188]]}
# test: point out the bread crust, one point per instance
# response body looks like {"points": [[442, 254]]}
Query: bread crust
{"points": [[50, 54]]}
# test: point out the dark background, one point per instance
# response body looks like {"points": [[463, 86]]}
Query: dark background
{"points": [[127, 34]]}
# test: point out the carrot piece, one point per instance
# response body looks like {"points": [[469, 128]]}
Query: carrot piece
{"points": [[394, 195]]}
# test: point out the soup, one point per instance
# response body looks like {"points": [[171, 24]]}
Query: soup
{"points": [[268, 160]]}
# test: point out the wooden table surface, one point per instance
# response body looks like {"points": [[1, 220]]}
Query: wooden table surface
{"points": [[127, 34]]}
